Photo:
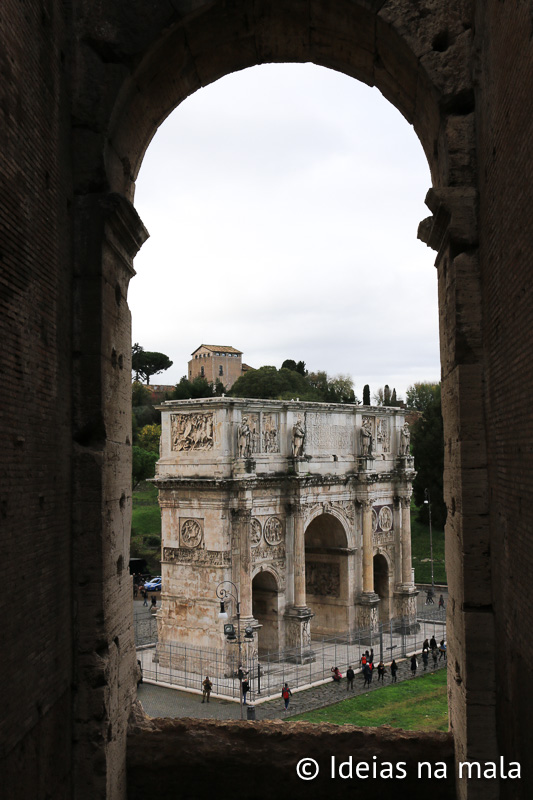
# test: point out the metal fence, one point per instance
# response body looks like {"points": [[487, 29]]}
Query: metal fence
{"points": [[185, 667]]}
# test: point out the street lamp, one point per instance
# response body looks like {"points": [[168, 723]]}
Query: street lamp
{"points": [[428, 501], [229, 631]]}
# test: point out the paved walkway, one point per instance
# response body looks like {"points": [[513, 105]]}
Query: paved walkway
{"points": [[159, 701]]}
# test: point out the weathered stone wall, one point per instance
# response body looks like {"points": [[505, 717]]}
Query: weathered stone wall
{"points": [[35, 407], [505, 152], [257, 760]]}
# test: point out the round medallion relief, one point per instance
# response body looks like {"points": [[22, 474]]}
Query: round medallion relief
{"points": [[273, 531], [385, 519], [191, 533], [255, 534]]}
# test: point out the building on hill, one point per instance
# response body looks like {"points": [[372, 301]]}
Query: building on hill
{"points": [[217, 362]]}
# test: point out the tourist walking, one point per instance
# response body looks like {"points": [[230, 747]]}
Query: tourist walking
{"points": [[145, 597], [286, 694], [441, 602], [433, 643], [367, 674], [414, 665], [381, 671], [350, 675], [442, 650], [245, 690], [435, 655], [206, 689], [425, 658], [425, 646], [393, 671]]}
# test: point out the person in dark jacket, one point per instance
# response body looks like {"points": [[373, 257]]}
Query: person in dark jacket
{"points": [[245, 690], [414, 665], [393, 671], [381, 671], [350, 675]]}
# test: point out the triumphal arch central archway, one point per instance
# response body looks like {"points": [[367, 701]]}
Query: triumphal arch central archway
{"points": [[297, 504]]}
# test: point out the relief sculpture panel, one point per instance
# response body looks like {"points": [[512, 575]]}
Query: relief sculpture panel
{"points": [[273, 531], [322, 579], [270, 433], [191, 532], [191, 431]]}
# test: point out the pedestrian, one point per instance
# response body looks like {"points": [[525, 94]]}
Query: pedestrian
{"points": [[145, 596], [286, 694], [442, 650], [381, 671], [414, 665], [370, 666], [367, 675], [435, 655], [245, 690], [441, 602], [350, 675], [206, 689], [433, 643], [425, 646], [393, 671], [425, 658]]}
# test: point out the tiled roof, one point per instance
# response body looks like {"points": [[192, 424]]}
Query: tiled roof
{"points": [[218, 348]]}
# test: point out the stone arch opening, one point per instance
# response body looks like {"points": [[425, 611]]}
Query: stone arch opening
{"points": [[145, 71], [266, 610], [382, 586], [327, 576]]}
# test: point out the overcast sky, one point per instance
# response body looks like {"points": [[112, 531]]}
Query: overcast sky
{"points": [[282, 204]]}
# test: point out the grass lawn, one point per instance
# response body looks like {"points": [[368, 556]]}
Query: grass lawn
{"points": [[146, 527], [421, 551], [417, 704]]}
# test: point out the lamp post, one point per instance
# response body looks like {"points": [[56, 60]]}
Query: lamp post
{"points": [[428, 501], [223, 594]]}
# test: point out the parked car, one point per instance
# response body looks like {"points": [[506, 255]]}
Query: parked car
{"points": [[154, 585]]}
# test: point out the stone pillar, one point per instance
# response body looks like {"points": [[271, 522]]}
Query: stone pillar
{"points": [[242, 559], [368, 549], [298, 618], [299, 561], [368, 601], [407, 572], [406, 592]]}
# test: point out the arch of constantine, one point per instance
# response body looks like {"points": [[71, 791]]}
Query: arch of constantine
{"points": [[304, 506]]}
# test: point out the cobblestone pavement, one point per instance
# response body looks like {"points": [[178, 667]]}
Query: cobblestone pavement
{"points": [[158, 701]]}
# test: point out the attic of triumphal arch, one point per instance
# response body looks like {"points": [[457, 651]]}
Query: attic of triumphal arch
{"points": [[298, 504]]}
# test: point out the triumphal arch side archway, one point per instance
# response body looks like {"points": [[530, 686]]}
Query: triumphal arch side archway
{"points": [[306, 493]]}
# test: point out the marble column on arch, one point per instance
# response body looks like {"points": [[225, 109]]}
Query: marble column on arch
{"points": [[367, 601], [298, 616], [406, 592]]}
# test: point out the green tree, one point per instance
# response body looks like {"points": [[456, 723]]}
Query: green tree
{"points": [[143, 465], [366, 395], [270, 383], [148, 438], [427, 447], [289, 363], [199, 387], [143, 412], [421, 395], [337, 389], [145, 363]]}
